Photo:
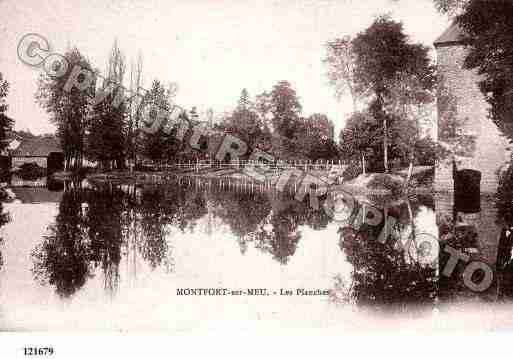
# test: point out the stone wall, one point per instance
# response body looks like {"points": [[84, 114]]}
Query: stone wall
{"points": [[490, 152]]}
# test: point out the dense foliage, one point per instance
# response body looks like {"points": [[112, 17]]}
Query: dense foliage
{"points": [[68, 109], [273, 123], [489, 27], [393, 79], [6, 123], [107, 124]]}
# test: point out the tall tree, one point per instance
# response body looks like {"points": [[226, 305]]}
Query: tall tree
{"points": [[159, 145], [314, 138], [359, 138], [244, 122], [392, 70], [244, 101], [68, 109], [319, 125], [340, 60], [134, 113], [106, 138], [263, 108], [6, 123], [285, 109]]}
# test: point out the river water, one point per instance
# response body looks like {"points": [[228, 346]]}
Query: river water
{"points": [[78, 256]]}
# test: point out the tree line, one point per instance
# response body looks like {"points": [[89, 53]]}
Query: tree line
{"points": [[108, 131], [6, 123], [390, 79], [101, 131]]}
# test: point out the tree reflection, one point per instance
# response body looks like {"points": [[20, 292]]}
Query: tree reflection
{"points": [[270, 220], [280, 236], [94, 225], [106, 208], [154, 213], [62, 259], [161, 207], [385, 276], [192, 206], [4, 219], [244, 213], [281, 241]]}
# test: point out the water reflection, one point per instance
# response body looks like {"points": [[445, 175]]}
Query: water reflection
{"points": [[276, 224], [480, 227], [62, 259], [107, 243], [4, 219], [387, 274], [92, 228], [470, 229], [97, 226]]}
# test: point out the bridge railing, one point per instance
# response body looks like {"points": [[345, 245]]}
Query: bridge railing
{"points": [[202, 165]]}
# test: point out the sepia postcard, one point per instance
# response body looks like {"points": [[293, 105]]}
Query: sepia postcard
{"points": [[207, 167]]}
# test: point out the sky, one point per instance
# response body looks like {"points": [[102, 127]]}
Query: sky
{"points": [[211, 49]]}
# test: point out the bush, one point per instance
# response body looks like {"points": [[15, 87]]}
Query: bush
{"points": [[383, 180], [352, 171], [425, 152], [424, 178], [31, 171]]}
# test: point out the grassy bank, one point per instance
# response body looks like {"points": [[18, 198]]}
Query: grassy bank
{"points": [[372, 183]]}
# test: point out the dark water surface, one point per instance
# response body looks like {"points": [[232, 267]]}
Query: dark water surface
{"points": [[114, 256]]}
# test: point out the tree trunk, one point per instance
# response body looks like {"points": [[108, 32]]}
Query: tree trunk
{"points": [[385, 143], [410, 168], [381, 111], [352, 93], [408, 177]]}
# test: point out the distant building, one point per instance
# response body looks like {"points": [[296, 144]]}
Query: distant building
{"points": [[467, 105], [45, 151]]}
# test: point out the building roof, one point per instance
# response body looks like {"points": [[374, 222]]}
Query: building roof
{"points": [[454, 35], [37, 147]]}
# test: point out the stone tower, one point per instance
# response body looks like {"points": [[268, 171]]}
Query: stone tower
{"points": [[460, 100]]}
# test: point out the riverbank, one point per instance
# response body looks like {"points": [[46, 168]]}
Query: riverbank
{"points": [[369, 184]]}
